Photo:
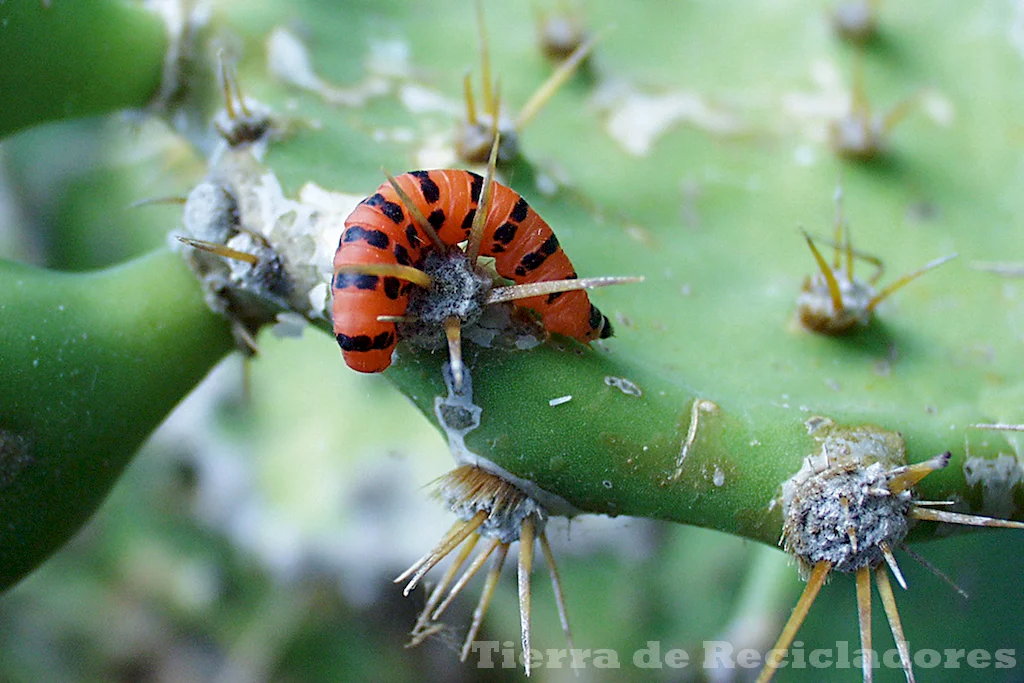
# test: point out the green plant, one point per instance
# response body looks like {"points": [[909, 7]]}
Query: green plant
{"points": [[652, 164]]}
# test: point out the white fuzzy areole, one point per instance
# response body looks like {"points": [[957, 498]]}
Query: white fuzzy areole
{"points": [[999, 478]]}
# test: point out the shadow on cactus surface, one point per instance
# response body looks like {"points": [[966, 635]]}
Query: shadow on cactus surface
{"points": [[690, 149]]}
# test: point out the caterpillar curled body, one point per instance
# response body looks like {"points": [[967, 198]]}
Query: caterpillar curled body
{"points": [[380, 231]]}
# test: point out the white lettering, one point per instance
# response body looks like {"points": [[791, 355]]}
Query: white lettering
{"points": [[483, 649], [579, 658], [606, 659], [508, 655], [978, 659], [717, 654], [536, 658], [927, 659], [953, 657], [555, 658], [843, 658], [860, 655], [797, 651], [677, 658], [648, 657], [891, 658], [748, 658], [817, 658]]}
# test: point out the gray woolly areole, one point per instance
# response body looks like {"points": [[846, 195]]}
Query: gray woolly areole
{"points": [[506, 506], [473, 140], [456, 290], [845, 486], [845, 496]]}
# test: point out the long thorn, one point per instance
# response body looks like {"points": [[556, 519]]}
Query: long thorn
{"points": [[935, 570], [483, 208], [220, 250], [485, 599], [1004, 268], [258, 236], [851, 533], [438, 592], [555, 81], [525, 567], [455, 530], [803, 606], [417, 216], [907, 477], [239, 97], [178, 199], [857, 254], [892, 287], [848, 252], [467, 575], [417, 638], [837, 228], [830, 278], [890, 560], [467, 89], [864, 620], [485, 59], [249, 342], [397, 318], [889, 602], [226, 84], [513, 292], [1000, 426], [395, 270], [927, 515], [453, 332], [851, 530], [556, 585], [859, 105], [232, 91], [495, 110], [898, 113], [456, 535]]}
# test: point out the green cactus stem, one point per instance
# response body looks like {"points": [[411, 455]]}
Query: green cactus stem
{"points": [[76, 58], [91, 364]]}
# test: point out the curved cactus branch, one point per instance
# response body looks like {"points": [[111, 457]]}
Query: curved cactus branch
{"points": [[91, 364], [77, 58], [629, 441]]}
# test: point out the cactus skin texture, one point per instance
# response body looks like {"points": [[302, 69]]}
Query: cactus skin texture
{"points": [[85, 382]]}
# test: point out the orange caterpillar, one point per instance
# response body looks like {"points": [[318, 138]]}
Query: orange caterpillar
{"points": [[388, 231]]}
